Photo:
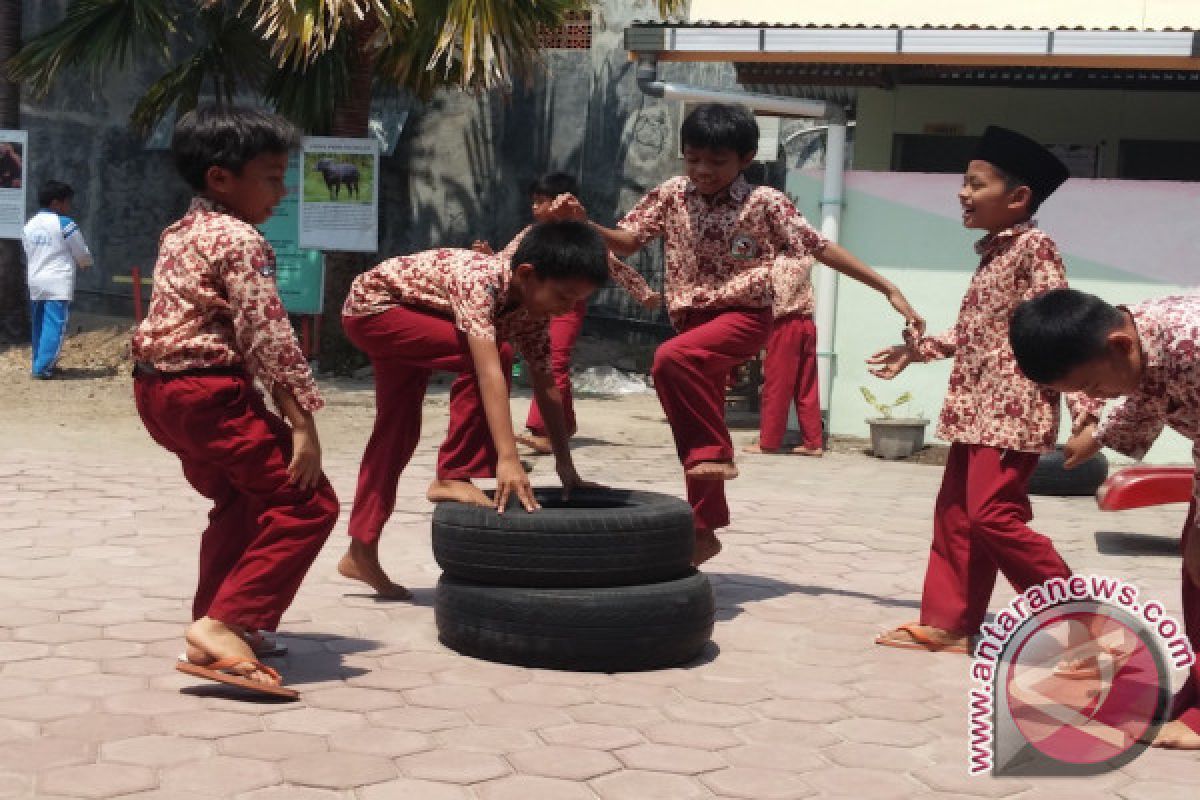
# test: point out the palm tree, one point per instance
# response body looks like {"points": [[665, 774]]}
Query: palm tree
{"points": [[317, 61], [12, 283]]}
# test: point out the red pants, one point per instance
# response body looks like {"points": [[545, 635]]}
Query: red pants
{"points": [[263, 534], [979, 528], [405, 345], [790, 376], [1187, 703], [564, 331], [689, 374]]}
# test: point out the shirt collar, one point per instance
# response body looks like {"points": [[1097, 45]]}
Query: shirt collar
{"points": [[202, 203], [735, 192], [994, 241], [1150, 336]]}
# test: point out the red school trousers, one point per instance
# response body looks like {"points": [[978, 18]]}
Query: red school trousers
{"points": [[690, 372], [406, 345], [978, 529], [564, 330], [790, 377], [1186, 706], [263, 534]]}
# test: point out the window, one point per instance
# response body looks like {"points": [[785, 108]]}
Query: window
{"points": [[574, 34], [1150, 160]]}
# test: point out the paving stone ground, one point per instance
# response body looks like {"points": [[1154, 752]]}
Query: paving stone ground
{"points": [[98, 539]]}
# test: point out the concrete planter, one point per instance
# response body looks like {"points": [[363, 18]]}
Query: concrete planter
{"points": [[897, 438]]}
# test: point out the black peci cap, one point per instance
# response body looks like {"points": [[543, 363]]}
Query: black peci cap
{"points": [[1022, 158]]}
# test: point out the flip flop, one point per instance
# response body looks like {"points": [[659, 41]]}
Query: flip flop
{"points": [[264, 644], [921, 641], [1078, 672], [221, 671]]}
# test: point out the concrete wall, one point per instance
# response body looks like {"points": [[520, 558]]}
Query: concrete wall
{"points": [[459, 172]]}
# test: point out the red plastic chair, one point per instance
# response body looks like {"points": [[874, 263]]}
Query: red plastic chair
{"points": [[1136, 487]]}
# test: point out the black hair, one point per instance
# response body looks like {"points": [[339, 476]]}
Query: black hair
{"points": [[552, 184], [720, 126], [564, 249], [227, 136], [1060, 331], [54, 190], [1014, 181]]}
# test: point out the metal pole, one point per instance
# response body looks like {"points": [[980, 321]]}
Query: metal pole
{"points": [[825, 280]]}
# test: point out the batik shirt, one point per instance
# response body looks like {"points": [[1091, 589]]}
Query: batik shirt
{"points": [[215, 304], [470, 287], [719, 250], [989, 401], [791, 282], [626, 276], [1169, 391]]}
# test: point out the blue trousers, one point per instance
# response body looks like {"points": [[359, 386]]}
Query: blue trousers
{"points": [[49, 319]]}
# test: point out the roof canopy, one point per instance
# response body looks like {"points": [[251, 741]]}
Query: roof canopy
{"points": [[1098, 14]]}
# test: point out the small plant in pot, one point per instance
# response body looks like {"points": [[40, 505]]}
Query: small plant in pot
{"points": [[894, 437]]}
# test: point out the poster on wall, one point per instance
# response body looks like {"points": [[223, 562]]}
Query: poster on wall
{"points": [[14, 157], [299, 272], [339, 194]]}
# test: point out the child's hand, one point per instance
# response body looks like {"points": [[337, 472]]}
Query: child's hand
{"points": [[1086, 419], [913, 321], [304, 471], [566, 206], [652, 301], [481, 246], [571, 480], [890, 361], [1081, 446], [512, 479]]}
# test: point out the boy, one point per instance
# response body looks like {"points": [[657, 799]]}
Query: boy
{"points": [[790, 367], [998, 422], [720, 237], [565, 329], [54, 247], [453, 310], [1149, 356], [216, 322]]}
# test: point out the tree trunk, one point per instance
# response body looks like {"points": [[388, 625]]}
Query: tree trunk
{"points": [[350, 120], [14, 306]]}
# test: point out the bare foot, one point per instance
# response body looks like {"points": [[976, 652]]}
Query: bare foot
{"points": [[209, 640], [707, 546], [538, 444], [361, 563], [759, 450], [457, 492], [713, 471], [814, 452], [1177, 736]]}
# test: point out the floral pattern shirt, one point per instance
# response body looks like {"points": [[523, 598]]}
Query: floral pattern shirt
{"points": [[624, 275], [791, 282], [989, 402], [471, 287], [1169, 391], [719, 250], [215, 304]]}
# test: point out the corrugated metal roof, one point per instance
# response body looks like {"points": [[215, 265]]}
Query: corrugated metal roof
{"points": [[652, 23]]}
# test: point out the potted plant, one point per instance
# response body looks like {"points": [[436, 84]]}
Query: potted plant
{"points": [[894, 437]]}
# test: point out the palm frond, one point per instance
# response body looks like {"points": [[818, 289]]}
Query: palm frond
{"points": [[300, 31], [97, 35], [309, 96]]}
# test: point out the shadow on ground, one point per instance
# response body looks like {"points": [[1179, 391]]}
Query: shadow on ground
{"points": [[1125, 543]]}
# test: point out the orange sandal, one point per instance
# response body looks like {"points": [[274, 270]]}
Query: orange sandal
{"points": [[920, 641], [221, 671]]}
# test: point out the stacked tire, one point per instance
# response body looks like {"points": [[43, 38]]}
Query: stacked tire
{"points": [[601, 583]]}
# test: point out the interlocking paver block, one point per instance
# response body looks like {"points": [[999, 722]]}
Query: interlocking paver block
{"points": [[339, 770], [518, 715], [404, 788], [670, 758], [787, 756], [351, 698], [219, 776], [595, 737], [701, 713], [449, 697], [292, 793], [98, 780], [155, 750], [381, 742], [570, 763], [43, 707], [543, 695], [207, 724], [634, 784], [48, 668], [453, 766], [867, 784], [313, 720], [45, 753], [271, 745], [757, 784], [489, 739], [528, 787], [418, 719], [98, 727]]}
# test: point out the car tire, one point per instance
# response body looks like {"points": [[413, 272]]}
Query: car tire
{"points": [[1051, 478]]}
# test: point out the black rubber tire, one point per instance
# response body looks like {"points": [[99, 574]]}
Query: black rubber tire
{"points": [[615, 629], [1051, 478], [602, 537]]}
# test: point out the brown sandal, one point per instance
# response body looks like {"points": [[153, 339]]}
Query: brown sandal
{"points": [[222, 671], [920, 641]]}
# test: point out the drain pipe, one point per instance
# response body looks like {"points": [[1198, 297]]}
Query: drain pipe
{"points": [[825, 280]]}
